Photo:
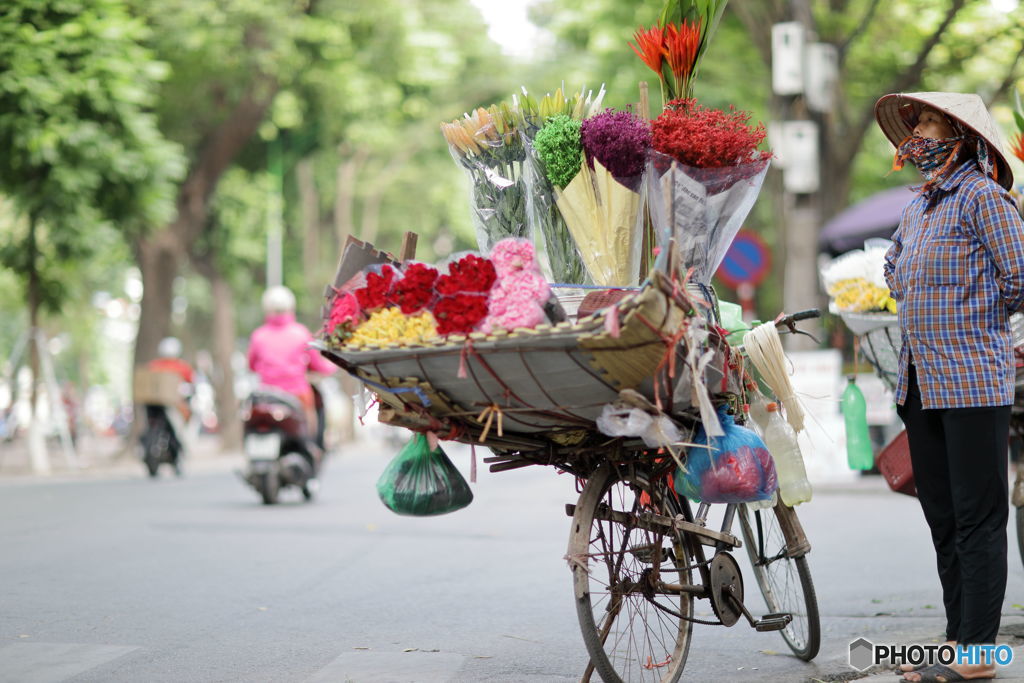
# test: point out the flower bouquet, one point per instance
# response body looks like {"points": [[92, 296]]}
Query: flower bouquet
{"points": [[488, 147], [702, 179], [595, 169], [416, 304], [561, 259]]}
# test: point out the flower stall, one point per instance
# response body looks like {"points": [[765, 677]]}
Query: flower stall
{"points": [[616, 386]]}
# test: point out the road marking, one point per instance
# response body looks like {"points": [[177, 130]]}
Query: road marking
{"points": [[53, 662], [391, 667]]}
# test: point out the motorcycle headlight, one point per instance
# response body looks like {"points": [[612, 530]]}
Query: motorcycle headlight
{"points": [[278, 414]]}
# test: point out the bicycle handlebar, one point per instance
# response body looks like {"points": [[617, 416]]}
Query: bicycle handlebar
{"points": [[788, 320]]}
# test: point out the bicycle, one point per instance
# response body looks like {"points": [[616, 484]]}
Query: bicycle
{"points": [[635, 548]]}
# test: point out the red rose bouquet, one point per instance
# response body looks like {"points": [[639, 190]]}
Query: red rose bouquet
{"points": [[462, 302], [375, 293], [471, 273], [415, 291], [460, 313]]}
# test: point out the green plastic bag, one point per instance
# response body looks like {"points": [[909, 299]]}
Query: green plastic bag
{"points": [[422, 482]]}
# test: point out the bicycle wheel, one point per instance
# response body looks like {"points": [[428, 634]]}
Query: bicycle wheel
{"points": [[626, 575], [785, 581]]}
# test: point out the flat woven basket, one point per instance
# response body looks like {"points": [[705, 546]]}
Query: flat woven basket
{"points": [[528, 385]]}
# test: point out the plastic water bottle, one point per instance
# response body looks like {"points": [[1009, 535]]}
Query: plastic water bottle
{"points": [[757, 408], [859, 453], [789, 464]]}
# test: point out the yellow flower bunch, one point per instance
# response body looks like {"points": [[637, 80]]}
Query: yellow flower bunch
{"points": [[858, 295], [391, 325]]}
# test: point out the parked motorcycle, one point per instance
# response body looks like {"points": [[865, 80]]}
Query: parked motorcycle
{"points": [[281, 449]]}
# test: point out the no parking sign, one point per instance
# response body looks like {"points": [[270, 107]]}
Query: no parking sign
{"points": [[746, 261]]}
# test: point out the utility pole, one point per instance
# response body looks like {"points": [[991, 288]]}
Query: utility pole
{"points": [[803, 83]]}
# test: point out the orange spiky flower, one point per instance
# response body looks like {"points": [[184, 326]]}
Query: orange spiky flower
{"points": [[650, 46], [1017, 146], [680, 50]]}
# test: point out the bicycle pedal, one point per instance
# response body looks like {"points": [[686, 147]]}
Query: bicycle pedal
{"points": [[773, 622]]}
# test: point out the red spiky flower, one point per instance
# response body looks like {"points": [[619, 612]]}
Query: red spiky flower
{"points": [[650, 44], [680, 50], [1017, 146]]}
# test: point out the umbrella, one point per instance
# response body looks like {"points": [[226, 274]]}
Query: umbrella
{"points": [[876, 216]]}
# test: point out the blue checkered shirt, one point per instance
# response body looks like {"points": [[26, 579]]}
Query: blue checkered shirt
{"points": [[956, 270]]}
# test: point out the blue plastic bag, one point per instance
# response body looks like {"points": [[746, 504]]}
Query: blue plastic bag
{"points": [[737, 469]]}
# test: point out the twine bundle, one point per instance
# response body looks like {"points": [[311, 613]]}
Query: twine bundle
{"points": [[763, 346]]}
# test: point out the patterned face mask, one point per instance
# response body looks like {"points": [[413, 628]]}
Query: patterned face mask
{"points": [[932, 157]]}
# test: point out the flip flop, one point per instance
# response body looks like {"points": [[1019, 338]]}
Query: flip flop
{"points": [[900, 672], [937, 673]]}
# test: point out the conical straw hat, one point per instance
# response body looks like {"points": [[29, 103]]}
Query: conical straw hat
{"points": [[897, 114]]}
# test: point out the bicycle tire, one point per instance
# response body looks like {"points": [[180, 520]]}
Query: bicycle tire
{"points": [[608, 557], [787, 590]]}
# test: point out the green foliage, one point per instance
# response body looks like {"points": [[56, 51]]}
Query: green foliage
{"points": [[79, 146]]}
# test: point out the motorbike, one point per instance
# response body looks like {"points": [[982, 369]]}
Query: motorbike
{"points": [[162, 442], [281, 450]]}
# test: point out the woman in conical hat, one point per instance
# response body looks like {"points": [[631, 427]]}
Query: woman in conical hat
{"points": [[956, 270]]}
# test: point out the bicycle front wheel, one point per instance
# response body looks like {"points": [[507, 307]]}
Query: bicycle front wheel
{"points": [[627, 577], [785, 581]]}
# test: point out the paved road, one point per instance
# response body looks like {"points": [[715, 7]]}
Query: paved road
{"points": [[126, 579]]}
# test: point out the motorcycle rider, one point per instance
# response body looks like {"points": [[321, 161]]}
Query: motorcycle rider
{"points": [[169, 360], [279, 353]]}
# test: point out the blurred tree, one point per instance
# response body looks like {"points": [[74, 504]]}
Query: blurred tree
{"points": [[345, 97], [79, 147]]}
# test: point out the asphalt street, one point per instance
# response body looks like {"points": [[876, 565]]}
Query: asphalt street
{"points": [[118, 578]]}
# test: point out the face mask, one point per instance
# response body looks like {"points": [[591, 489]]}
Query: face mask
{"points": [[931, 156]]}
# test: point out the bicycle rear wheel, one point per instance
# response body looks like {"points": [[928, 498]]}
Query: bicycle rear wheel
{"points": [[626, 578], [785, 581]]}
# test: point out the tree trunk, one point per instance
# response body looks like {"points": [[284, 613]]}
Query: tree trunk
{"points": [[345, 187], [309, 204], [36, 444], [159, 260], [223, 349]]}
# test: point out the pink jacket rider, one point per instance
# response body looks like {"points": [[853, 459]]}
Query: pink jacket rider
{"points": [[279, 353]]}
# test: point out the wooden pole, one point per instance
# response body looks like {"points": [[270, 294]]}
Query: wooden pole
{"points": [[408, 250]]}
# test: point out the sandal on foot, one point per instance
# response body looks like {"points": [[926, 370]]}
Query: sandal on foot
{"points": [[937, 673], [900, 671]]}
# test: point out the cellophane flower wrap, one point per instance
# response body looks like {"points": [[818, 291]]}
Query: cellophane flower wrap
{"points": [[486, 145], [596, 192], [415, 290], [733, 468], [462, 293], [553, 158], [703, 176], [616, 145], [520, 290]]}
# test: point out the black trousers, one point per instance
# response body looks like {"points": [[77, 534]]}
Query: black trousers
{"points": [[960, 470]]}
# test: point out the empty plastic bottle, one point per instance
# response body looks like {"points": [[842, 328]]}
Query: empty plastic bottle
{"points": [[789, 463], [859, 453]]}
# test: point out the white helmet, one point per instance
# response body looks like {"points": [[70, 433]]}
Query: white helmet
{"points": [[278, 300], [169, 347]]}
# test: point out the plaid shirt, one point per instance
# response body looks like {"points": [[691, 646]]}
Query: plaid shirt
{"points": [[956, 270]]}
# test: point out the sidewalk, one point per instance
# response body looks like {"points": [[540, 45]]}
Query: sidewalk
{"points": [[107, 457]]}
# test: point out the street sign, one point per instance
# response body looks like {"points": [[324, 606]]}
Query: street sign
{"points": [[746, 261]]}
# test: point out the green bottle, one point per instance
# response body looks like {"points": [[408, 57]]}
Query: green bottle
{"points": [[859, 453]]}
